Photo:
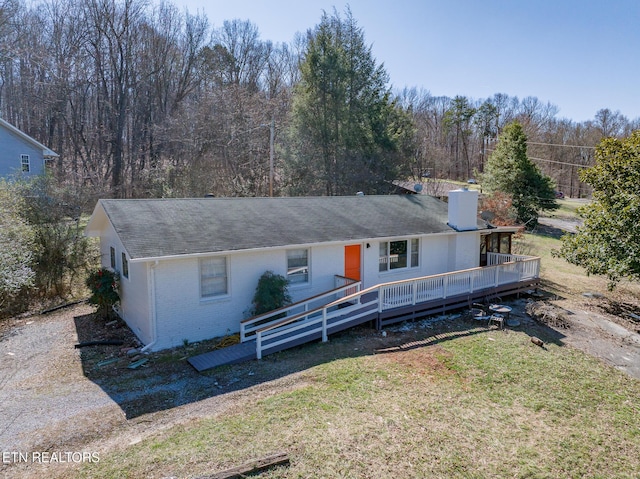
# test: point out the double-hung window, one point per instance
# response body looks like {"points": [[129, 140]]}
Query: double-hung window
{"points": [[298, 266], [213, 277], [25, 163], [399, 254]]}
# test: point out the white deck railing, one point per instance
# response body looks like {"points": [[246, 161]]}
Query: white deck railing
{"points": [[394, 295], [442, 286], [343, 286]]}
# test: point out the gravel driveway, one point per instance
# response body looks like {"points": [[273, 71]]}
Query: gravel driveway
{"points": [[41, 381]]}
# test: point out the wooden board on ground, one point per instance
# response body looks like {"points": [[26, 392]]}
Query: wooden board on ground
{"points": [[251, 467]]}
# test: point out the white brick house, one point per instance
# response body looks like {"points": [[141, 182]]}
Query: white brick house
{"points": [[189, 267]]}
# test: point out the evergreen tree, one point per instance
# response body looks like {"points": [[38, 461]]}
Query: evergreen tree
{"points": [[347, 134], [509, 170], [608, 243]]}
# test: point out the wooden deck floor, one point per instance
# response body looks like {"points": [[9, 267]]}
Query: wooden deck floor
{"points": [[247, 351]]}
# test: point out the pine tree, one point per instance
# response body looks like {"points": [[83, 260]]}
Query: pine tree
{"points": [[509, 170], [347, 134]]}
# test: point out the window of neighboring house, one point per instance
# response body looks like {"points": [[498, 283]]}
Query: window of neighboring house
{"points": [[112, 254], [125, 266], [399, 254], [213, 277], [25, 163], [298, 266], [48, 164]]}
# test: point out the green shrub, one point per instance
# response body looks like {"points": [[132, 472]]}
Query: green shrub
{"points": [[104, 285], [17, 245], [272, 293]]}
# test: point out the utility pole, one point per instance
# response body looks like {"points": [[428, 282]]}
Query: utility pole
{"points": [[272, 134]]}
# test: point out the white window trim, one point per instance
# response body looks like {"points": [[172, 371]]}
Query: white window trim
{"points": [[305, 284], [410, 252], [27, 163], [217, 297]]}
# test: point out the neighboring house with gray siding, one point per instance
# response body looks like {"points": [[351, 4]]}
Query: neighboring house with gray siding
{"points": [[20, 154], [189, 267]]}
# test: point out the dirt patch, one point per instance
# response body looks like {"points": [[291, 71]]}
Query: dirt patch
{"points": [[422, 361], [548, 314]]}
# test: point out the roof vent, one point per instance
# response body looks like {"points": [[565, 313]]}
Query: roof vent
{"points": [[360, 193]]}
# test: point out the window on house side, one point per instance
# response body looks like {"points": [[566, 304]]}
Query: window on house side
{"points": [[298, 266], [112, 254], [415, 252], [213, 277], [25, 163], [125, 266], [399, 254]]}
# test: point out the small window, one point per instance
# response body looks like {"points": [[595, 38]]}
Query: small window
{"points": [[112, 254], [25, 163], [213, 277], [125, 266], [415, 252], [48, 164], [298, 266]]}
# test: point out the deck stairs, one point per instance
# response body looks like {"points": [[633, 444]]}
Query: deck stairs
{"points": [[348, 305]]}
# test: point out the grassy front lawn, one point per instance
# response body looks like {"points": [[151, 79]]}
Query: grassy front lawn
{"points": [[485, 404]]}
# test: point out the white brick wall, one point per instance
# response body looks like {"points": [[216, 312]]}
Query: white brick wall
{"points": [[134, 291], [181, 313]]}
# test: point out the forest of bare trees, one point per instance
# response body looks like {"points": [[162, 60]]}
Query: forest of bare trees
{"points": [[146, 100]]}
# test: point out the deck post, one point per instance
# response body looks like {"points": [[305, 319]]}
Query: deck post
{"points": [[380, 295], [414, 286], [259, 344], [324, 325], [242, 334]]}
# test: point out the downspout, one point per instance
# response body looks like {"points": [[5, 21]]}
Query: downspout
{"points": [[154, 315]]}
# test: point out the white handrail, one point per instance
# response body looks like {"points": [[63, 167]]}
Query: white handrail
{"points": [[397, 294], [249, 326]]}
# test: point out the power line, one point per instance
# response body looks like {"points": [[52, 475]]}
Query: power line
{"points": [[560, 162], [557, 144], [553, 161]]}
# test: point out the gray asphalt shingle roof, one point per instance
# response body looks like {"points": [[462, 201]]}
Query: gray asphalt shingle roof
{"points": [[153, 228]]}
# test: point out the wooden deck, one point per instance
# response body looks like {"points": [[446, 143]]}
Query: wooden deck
{"points": [[383, 305]]}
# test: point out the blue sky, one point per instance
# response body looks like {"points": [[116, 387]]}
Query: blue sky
{"points": [[580, 55]]}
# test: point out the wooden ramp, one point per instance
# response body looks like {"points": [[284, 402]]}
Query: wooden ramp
{"points": [[383, 305], [238, 353]]}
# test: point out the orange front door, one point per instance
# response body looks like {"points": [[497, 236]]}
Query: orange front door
{"points": [[352, 261]]}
